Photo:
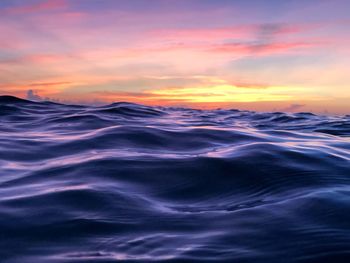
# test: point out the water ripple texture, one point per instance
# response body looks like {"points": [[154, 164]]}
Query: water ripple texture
{"points": [[126, 182]]}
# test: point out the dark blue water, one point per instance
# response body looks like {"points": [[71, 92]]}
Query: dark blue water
{"points": [[126, 182]]}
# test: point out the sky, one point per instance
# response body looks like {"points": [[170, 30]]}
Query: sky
{"points": [[263, 55]]}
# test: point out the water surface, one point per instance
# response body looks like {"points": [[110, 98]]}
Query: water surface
{"points": [[126, 182]]}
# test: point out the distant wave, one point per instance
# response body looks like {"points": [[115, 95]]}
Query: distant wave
{"points": [[127, 182]]}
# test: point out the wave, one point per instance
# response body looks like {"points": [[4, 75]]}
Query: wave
{"points": [[128, 182]]}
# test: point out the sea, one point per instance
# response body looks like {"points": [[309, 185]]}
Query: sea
{"points": [[132, 183]]}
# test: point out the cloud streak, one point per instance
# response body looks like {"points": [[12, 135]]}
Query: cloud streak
{"points": [[37, 7], [262, 48]]}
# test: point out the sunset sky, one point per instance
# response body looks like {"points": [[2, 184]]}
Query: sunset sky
{"points": [[289, 55]]}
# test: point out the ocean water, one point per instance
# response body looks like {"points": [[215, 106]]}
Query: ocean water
{"points": [[126, 182]]}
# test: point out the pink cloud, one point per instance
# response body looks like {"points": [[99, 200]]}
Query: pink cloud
{"points": [[259, 39], [46, 58], [239, 48], [230, 32], [11, 39], [42, 6], [262, 48]]}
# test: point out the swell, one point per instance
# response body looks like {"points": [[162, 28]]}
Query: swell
{"points": [[127, 182]]}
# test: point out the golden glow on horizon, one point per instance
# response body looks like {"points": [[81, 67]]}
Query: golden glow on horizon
{"points": [[221, 93]]}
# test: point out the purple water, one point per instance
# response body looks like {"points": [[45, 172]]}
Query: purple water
{"points": [[127, 182]]}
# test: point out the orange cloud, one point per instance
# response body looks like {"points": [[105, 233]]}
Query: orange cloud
{"points": [[48, 88], [49, 84]]}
